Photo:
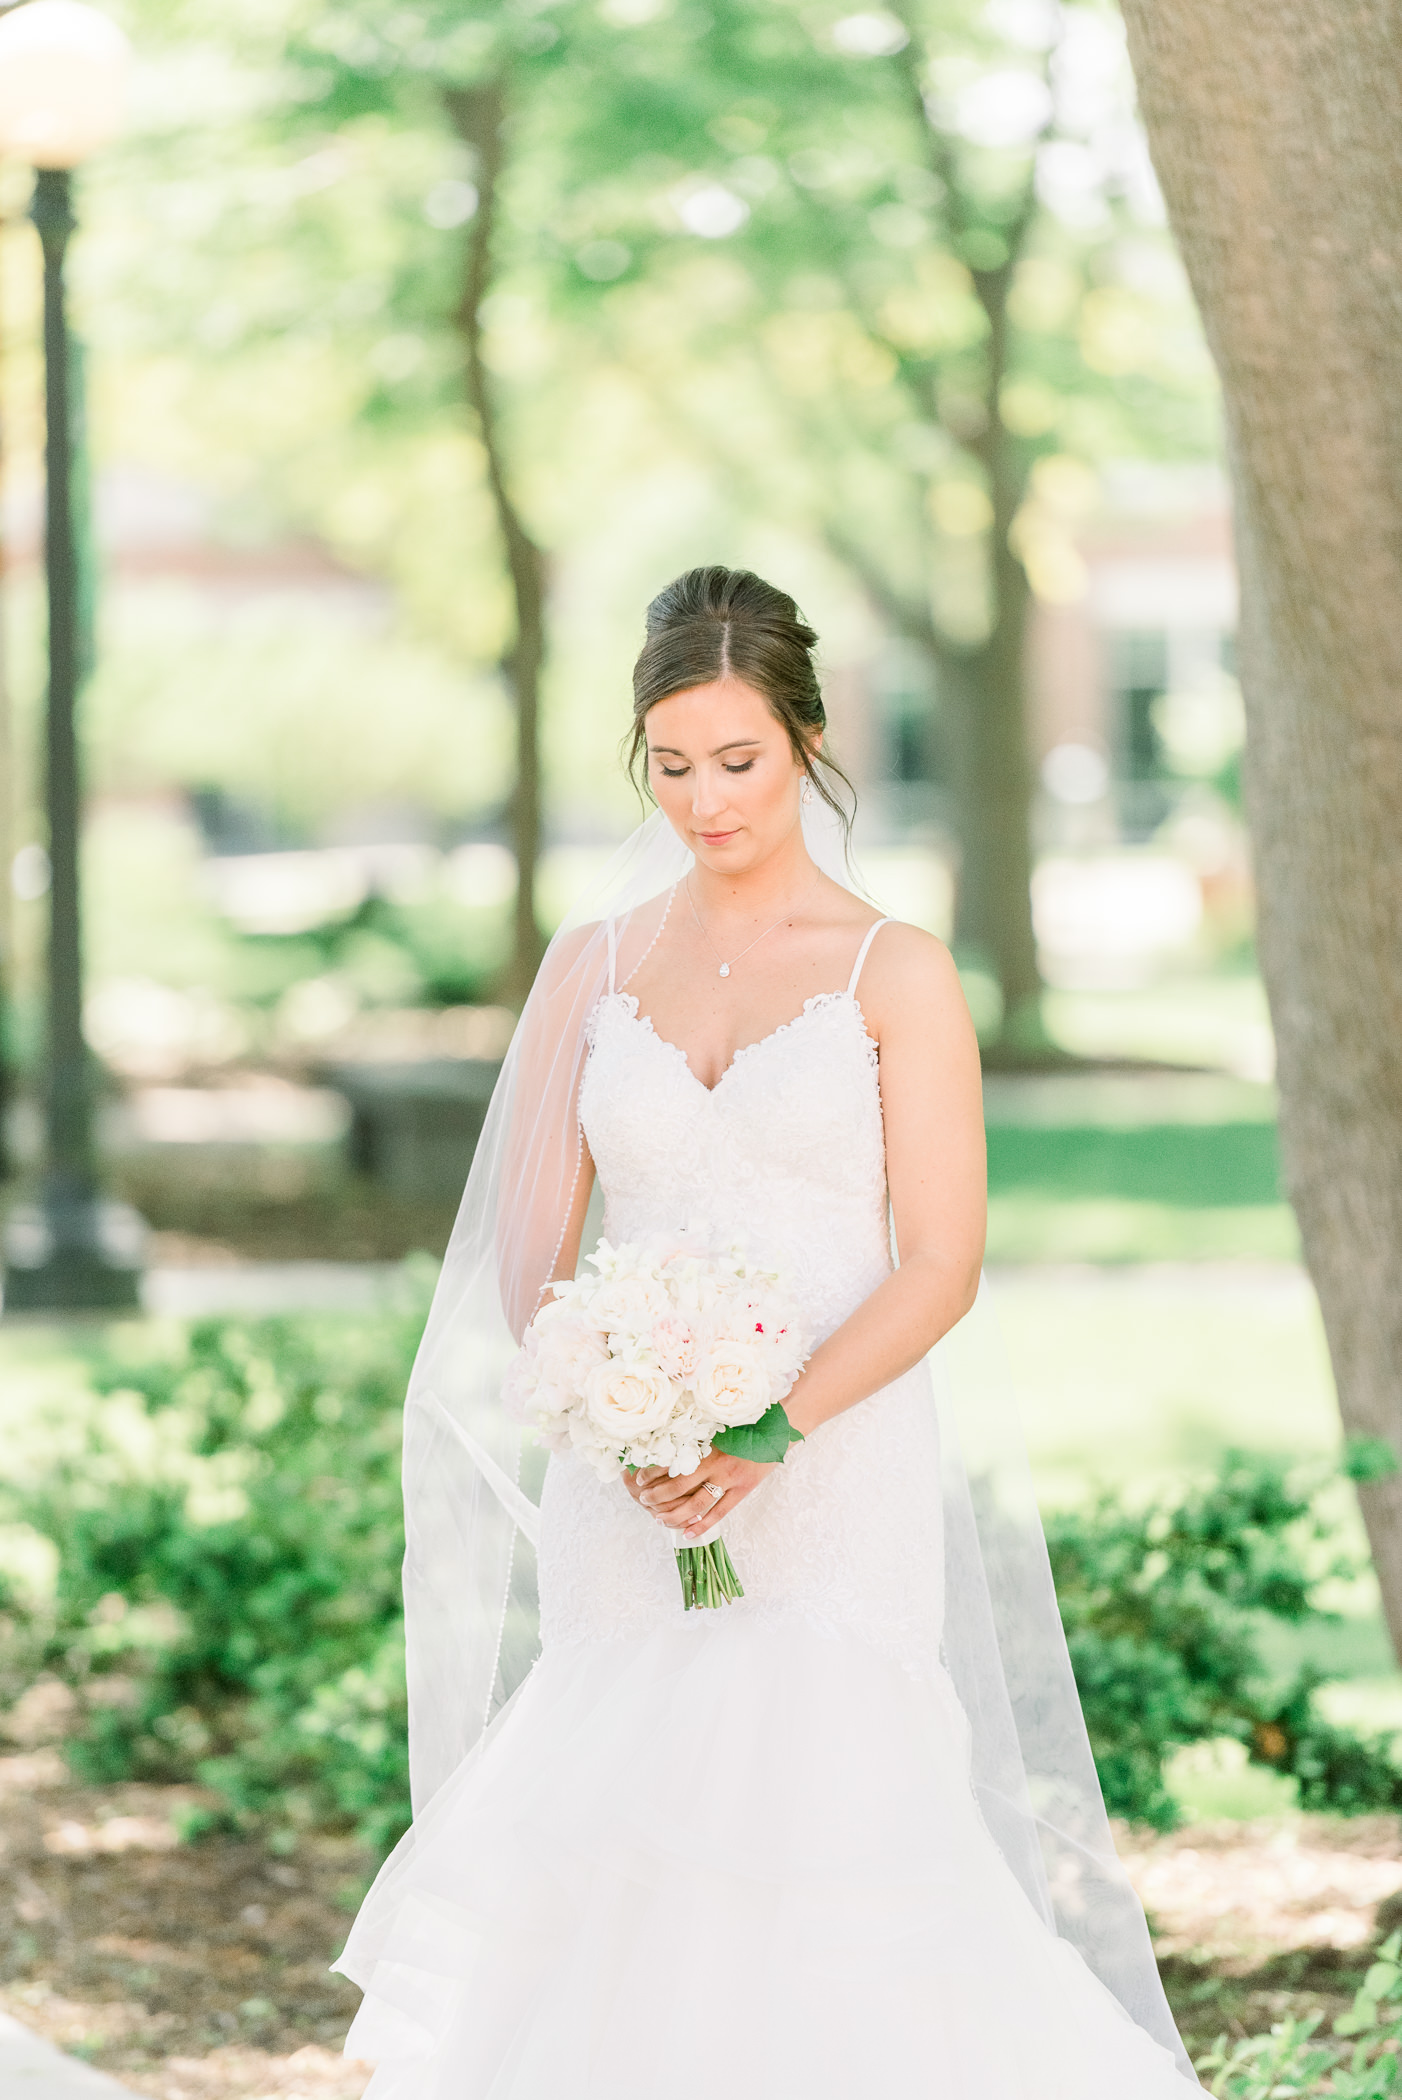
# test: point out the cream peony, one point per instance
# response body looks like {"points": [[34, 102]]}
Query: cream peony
{"points": [[570, 1346], [673, 1345], [628, 1305]]}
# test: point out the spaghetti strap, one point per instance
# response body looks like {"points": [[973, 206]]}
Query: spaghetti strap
{"points": [[871, 934], [612, 926]]}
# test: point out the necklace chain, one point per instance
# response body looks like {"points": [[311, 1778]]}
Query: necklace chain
{"points": [[726, 967]]}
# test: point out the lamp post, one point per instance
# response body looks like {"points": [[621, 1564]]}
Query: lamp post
{"points": [[62, 82]]}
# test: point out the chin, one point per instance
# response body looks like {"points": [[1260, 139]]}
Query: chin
{"points": [[734, 858]]}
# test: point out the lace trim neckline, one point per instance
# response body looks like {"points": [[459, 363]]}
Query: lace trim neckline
{"points": [[629, 1001]]}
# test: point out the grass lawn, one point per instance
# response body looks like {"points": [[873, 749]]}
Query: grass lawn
{"points": [[1129, 1168], [1139, 1376]]}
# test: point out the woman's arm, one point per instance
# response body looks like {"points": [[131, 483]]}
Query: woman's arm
{"points": [[936, 1169], [547, 1172], [932, 1111], [567, 1259]]}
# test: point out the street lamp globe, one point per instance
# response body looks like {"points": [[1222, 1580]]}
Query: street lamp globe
{"points": [[63, 68]]}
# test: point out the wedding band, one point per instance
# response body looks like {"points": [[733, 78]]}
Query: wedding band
{"points": [[716, 1493]]}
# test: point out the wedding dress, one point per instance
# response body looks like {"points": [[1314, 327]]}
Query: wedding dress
{"points": [[736, 1852]]}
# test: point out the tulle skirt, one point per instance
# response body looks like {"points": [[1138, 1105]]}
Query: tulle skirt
{"points": [[736, 1857]]}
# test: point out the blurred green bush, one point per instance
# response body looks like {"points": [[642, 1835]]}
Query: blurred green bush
{"points": [[1289, 2061], [226, 1521], [229, 1536], [1165, 1607]]}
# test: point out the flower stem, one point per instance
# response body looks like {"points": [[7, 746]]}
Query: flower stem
{"points": [[708, 1576]]}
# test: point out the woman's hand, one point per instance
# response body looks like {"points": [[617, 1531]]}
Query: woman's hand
{"points": [[687, 1504]]}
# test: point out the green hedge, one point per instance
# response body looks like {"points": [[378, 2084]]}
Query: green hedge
{"points": [[1165, 1607], [228, 1599], [227, 1524]]}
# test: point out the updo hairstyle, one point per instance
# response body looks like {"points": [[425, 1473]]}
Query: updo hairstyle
{"points": [[716, 623]]}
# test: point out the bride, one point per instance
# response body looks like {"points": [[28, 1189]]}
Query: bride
{"points": [[841, 1838]]}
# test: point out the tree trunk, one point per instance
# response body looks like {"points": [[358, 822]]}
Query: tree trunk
{"points": [[995, 884], [9, 825], [986, 688], [995, 875], [479, 117], [1276, 127]]}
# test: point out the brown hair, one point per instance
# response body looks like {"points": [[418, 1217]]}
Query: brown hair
{"points": [[719, 623]]}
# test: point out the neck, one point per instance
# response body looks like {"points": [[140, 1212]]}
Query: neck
{"points": [[761, 891]]}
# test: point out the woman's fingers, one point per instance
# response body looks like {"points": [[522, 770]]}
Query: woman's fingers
{"points": [[687, 1502], [686, 1509], [719, 1507], [664, 1490]]}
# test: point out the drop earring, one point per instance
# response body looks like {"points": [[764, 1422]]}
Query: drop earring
{"points": [[807, 796]]}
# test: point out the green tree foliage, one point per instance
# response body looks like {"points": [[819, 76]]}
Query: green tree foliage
{"points": [[888, 278], [918, 350]]}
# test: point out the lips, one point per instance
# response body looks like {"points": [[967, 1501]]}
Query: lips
{"points": [[716, 838]]}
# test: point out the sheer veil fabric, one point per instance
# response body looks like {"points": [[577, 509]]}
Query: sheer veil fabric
{"points": [[472, 1520]]}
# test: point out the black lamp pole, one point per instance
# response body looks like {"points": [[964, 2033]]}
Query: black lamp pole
{"points": [[73, 1249]]}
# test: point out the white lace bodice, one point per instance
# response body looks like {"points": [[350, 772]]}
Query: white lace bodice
{"points": [[787, 1152], [757, 1156]]}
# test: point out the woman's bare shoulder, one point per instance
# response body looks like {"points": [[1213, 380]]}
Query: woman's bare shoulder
{"points": [[909, 977], [570, 947]]}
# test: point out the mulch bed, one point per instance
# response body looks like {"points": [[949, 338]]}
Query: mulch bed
{"points": [[189, 1971], [200, 1971]]}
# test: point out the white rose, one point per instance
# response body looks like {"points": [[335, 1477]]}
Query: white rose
{"points": [[732, 1384], [626, 1401]]}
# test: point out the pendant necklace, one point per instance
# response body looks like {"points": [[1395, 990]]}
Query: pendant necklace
{"points": [[725, 967]]}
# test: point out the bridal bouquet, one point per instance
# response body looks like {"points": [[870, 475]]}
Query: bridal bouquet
{"points": [[664, 1355]]}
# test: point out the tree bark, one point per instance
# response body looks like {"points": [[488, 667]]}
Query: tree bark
{"points": [[995, 884], [479, 117], [986, 688], [9, 820], [1276, 128]]}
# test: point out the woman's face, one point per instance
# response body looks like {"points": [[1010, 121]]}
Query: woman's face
{"points": [[724, 773]]}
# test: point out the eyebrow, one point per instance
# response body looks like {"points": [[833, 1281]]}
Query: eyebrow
{"points": [[741, 743]]}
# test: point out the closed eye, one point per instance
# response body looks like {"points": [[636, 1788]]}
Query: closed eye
{"points": [[676, 772]]}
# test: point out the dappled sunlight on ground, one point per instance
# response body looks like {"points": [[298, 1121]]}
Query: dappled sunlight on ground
{"points": [[188, 1971], [1239, 1893]]}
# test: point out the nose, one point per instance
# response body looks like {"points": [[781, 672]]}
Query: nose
{"points": [[708, 797]]}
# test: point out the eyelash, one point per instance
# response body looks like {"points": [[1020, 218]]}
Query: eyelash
{"points": [[675, 772]]}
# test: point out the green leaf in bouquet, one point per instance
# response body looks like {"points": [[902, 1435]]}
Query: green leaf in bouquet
{"points": [[765, 1441]]}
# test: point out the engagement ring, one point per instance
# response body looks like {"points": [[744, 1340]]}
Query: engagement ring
{"points": [[712, 1490]]}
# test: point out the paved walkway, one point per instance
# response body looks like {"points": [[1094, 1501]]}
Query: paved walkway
{"points": [[33, 2070], [270, 1287]]}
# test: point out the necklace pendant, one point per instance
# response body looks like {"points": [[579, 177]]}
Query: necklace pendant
{"points": [[725, 969]]}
